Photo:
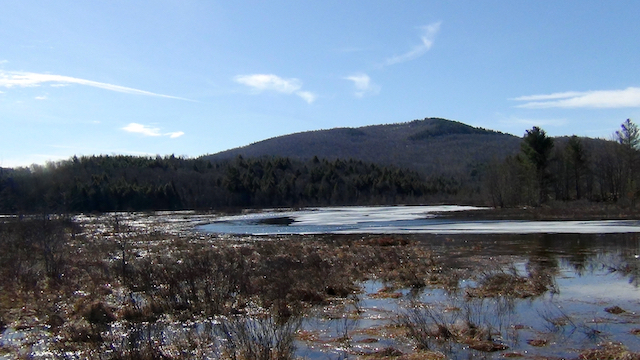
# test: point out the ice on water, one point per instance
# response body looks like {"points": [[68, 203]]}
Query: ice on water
{"points": [[404, 220]]}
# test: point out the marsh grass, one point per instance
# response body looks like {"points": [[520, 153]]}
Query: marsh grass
{"points": [[625, 264], [609, 351], [84, 281], [109, 287], [559, 322], [557, 319], [263, 337], [445, 330], [508, 282]]}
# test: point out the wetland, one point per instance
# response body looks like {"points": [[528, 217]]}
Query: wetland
{"points": [[169, 286]]}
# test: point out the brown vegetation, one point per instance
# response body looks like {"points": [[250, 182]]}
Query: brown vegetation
{"points": [[609, 351], [108, 285], [431, 329], [507, 282], [79, 281]]}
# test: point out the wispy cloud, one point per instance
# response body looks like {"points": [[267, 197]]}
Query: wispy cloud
{"points": [[629, 97], [176, 134], [308, 96], [142, 129], [363, 85], [43, 97], [25, 79], [270, 82], [427, 38], [150, 131], [262, 82]]}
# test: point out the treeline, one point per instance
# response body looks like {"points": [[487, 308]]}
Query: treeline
{"points": [[569, 168], [128, 183], [545, 169]]}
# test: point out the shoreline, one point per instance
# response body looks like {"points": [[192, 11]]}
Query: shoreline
{"points": [[563, 211]]}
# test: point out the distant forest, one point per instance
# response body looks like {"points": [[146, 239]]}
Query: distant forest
{"points": [[545, 169], [568, 168], [128, 183]]}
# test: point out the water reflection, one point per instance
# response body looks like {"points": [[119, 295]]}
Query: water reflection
{"points": [[548, 295], [463, 296], [590, 275]]}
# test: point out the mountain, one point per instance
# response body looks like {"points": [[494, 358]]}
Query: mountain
{"points": [[430, 146]]}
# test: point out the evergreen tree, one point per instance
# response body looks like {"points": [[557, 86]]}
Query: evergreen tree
{"points": [[629, 137], [577, 159], [537, 147]]}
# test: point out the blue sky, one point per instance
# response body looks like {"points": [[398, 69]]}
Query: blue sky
{"points": [[196, 77]]}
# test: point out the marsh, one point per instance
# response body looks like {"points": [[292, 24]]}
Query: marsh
{"points": [[154, 285]]}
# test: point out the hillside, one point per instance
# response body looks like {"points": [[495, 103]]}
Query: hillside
{"points": [[423, 161], [429, 146]]}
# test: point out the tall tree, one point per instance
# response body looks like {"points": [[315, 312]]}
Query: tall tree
{"points": [[629, 137], [537, 147], [577, 159]]}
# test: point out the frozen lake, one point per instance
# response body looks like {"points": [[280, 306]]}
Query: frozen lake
{"points": [[400, 220]]}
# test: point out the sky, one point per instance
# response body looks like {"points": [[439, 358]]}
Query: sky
{"points": [[191, 78]]}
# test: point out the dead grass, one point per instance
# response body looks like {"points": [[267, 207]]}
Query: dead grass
{"points": [[537, 342], [431, 329], [609, 351], [424, 355], [386, 292], [509, 283], [265, 337], [80, 280], [93, 284], [391, 353], [615, 310]]}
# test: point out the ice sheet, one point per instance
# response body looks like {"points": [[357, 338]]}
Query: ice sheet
{"points": [[403, 220]]}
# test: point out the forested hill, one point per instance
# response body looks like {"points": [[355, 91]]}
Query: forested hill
{"points": [[125, 183], [421, 161], [430, 146], [434, 160]]}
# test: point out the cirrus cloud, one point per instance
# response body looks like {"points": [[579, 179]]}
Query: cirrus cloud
{"points": [[307, 96], [427, 38], [262, 82], [363, 85], [26, 79], [150, 131], [629, 97], [271, 82]]}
